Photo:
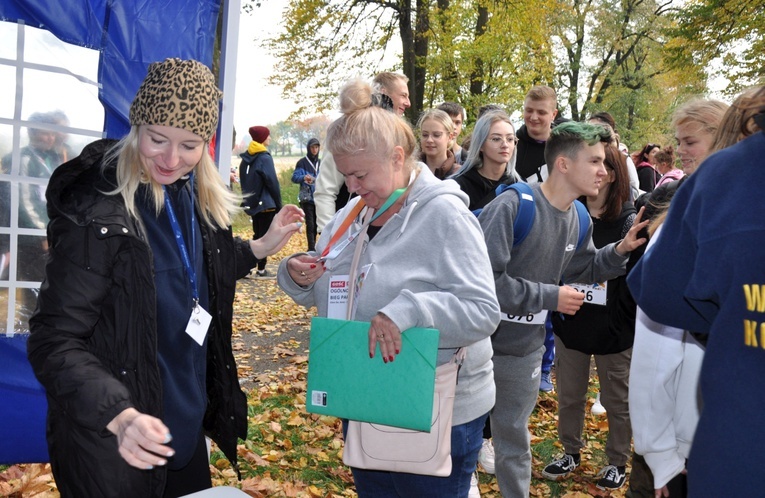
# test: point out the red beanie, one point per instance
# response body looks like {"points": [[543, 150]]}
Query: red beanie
{"points": [[259, 133]]}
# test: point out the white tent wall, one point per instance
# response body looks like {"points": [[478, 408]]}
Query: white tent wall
{"points": [[47, 78], [51, 112]]}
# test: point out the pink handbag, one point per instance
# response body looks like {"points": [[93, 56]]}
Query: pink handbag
{"points": [[381, 447]]}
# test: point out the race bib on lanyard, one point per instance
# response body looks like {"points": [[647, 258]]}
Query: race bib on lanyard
{"points": [[337, 297]]}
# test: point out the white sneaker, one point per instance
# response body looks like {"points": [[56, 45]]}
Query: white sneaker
{"points": [[597, 409], [486, 456], [474, 491]]}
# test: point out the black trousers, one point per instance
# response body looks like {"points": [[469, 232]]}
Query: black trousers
{"points": [[260, 224], [310, 223]]}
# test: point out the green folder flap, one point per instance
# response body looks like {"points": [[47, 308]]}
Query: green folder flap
{"points": [[344, 382]]}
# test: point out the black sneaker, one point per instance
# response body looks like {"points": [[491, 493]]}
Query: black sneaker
{"points": [[562, 467], [613, 477]]}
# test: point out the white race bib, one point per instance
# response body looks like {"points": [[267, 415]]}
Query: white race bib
{"points": [[337, 297], [593, 293], [527, 319]]}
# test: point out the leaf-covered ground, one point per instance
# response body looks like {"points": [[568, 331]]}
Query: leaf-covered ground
{"points": [[290, 453]]}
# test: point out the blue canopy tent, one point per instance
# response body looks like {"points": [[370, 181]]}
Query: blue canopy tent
{"points": [[128, 36]]}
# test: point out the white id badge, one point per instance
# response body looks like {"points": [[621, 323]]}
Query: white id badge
{"points": [[593, 293], [199, 323], [527, 319], [337, 297]]}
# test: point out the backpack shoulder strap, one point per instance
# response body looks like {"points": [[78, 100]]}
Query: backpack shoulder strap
{"points": [[584, 222], [524, 219], [526, 211]]}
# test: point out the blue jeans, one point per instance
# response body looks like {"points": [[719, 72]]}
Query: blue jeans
{"points": [[466, 442], [549, 356]]}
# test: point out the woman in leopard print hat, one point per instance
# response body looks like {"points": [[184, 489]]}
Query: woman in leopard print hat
{"points": [[132, 334]]}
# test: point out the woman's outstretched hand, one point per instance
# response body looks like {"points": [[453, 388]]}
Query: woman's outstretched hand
{"points": [[286, 222]]}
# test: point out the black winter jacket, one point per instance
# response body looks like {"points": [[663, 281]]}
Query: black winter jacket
{"points": [[93, 337], [530, 157], [260, 185]]}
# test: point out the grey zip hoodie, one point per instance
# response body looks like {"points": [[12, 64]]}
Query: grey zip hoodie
{"points": [[430, 268]]}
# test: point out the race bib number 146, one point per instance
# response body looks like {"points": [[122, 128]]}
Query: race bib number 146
{"points": [[593, 293]]}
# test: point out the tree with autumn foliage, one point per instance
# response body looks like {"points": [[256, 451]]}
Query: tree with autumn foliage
{"points": [[637, 59], [726, 36], [610, 58], [472, 52]]}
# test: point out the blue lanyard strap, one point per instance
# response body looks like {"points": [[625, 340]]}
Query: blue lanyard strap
{"points": [[185, 258]]}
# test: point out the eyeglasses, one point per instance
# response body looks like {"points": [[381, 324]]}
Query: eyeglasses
{"points": [[498, 141]]}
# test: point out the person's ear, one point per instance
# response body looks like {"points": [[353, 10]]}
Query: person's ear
{"points": [[562, 164], [398, 157]]}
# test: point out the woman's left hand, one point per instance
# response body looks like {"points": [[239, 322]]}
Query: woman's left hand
{"points": [[287, 221], [383, 330]]}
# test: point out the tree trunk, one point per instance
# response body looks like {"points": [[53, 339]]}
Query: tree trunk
{"points": [[407, 46], [421, 38], [476, 76]]}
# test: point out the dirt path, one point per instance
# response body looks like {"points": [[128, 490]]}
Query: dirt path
{"points": [[270, 330]]}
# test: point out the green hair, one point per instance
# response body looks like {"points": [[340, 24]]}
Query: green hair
{"points": [[568, 138]]}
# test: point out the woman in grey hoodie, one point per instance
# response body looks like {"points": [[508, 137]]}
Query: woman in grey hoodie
{"points": [[425, 264]]}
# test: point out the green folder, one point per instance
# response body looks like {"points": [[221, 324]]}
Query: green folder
{"points": [[344, 382]]}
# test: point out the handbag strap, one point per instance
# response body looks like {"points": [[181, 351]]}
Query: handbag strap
{"points": [[460, 355], [355, 267], [457, 358]]}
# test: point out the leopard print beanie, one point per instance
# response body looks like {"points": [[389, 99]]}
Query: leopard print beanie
{"points": [[178, 93]]}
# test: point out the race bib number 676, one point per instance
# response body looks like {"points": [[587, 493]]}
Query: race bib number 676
{"points": [[527, 319]]}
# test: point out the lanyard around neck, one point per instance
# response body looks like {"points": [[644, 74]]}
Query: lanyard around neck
{"points": [[185, 257], [333, 250]]}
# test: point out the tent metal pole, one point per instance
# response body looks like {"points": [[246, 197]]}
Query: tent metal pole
{"points": [[227, 83]]}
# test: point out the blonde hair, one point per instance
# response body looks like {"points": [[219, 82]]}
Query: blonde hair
{"points": [[707, 113], [384, 82], [738, 122], [658, 221], [542, 92], [441, 118], [217, 204], [366, 128]]}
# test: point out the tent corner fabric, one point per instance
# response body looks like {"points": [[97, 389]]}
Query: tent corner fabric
{"points": [[24, 407], [129, 36]]}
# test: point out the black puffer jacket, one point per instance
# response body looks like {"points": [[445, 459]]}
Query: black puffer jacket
{"points": [[93, 342]]}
